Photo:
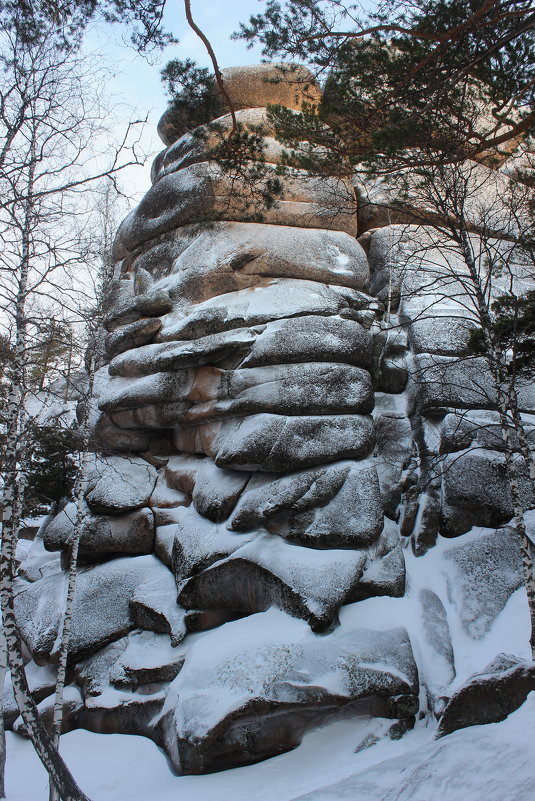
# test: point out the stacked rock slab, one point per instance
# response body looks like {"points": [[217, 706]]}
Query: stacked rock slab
{"points": [[273, 414]]}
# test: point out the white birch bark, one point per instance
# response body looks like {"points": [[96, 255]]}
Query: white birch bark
{"points": [[71, 584], [11, 506], [505, 389], [3, 665]]}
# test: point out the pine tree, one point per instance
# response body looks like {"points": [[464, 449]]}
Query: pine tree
{"points": [[50, 470], [449, 72]]}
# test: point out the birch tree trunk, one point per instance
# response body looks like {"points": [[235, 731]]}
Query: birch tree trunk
{"points": [[67, 621], [3, 665], [518, 509], [11, 506], [504, 386], [73, 561]]}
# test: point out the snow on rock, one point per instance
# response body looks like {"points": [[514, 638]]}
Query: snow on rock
{"points": [[270, 299], [103, 535], [165, 356], [41, 682], [124, 711], [190, 396], [123, 311], [287, 451], [279, 443], [153, 606], [446, 381], [159, 388], [482, 573], [325, 767], [72, 705], [450, 338], [393, 448], [195, 542], [119, 484], [384, 572], [229, 256], [164, 539], [203, 190], [101, 607], [307, 583], [147, 658], [94, 673], [105, 434], [293, 678], [132, 335], [487, 762], [477, 489], [399, 197], [165, 499], [199, 145], [489, 696], [322, 339], [38, 562], [217, 491], [437, 633], [334, 506], [480, 429]]}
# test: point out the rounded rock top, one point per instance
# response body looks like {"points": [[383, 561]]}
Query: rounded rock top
{"points": [[257, 86], [261, 85]]}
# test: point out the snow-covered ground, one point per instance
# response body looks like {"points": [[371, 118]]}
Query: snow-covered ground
{"points": [[482, 763]]}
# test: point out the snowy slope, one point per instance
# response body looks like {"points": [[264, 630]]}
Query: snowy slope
{"points": [[460, 767]]}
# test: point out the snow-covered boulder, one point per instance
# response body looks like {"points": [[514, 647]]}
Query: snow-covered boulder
{"points": [[252, 688], [101, 608], [334, 506], [483, 574], [203, 191], [477, 489], [307, 583], [489, 696], [102, 535], [119, 484], [279, 443]]}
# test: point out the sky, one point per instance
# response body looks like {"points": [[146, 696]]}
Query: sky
{"points": [[135, 82]]}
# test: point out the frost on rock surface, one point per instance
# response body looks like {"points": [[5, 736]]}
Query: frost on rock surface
{"points": [[277, 663], [288, 424]]}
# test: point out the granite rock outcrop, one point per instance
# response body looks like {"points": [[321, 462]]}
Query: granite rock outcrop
{"points": [[275, 422]]}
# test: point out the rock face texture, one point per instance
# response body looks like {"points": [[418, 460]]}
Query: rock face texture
{"points": [[273, 417]]}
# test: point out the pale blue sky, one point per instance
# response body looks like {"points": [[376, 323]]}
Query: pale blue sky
{"points": [[136, 80]]}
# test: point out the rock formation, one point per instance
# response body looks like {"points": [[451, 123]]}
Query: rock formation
{"points": [[274, 415]]}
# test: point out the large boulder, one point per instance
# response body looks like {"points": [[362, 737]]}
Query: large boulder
{"points": [[267, 571], [402, 197], [197, 262], [338, 506], [490, 695], [440, 381], [101, 611], [188, 396], [482, 572], [477, 490], [102, 535], [203, 192], [278, 443], [255, 86], [252, 688], [119, 484]]}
